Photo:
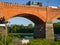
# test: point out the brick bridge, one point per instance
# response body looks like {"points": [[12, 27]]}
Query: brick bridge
{"points": [[43, 17]]}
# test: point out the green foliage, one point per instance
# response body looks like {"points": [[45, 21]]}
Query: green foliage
{"points": [[57, 28], [8, 40], [42, 42], [13, 44], [32, 41], [29, 28], [14, 35], [1, 43], [21, 29]]}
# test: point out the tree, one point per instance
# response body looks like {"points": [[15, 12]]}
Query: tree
{"points": [[21, 28], [30, 26], [57, 28]]}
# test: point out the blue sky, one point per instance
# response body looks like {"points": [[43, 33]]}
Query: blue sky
{"points": [[20, 20]]}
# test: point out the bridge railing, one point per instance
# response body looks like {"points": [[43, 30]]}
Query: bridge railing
{"points": [[6, 4]]}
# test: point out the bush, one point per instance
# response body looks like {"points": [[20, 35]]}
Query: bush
{"points": [[42, 42]]}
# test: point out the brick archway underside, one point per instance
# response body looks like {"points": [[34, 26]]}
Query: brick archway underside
{"points": [[31, 17]]}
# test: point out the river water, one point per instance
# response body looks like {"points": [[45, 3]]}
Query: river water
{"points": [[57, 36], [27, 37], [31, 37]]}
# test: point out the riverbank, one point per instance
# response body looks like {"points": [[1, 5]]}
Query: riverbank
{"points": [[42, 42]]}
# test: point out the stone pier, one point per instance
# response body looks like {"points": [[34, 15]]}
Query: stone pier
{"points": [[44, 30], [3, 30], [49, 31], [39, 31]]}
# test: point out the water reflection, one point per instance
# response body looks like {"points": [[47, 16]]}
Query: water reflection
{"points": [[27, 37]]}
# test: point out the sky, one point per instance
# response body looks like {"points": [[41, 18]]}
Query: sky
{"points": [[24, 21]]}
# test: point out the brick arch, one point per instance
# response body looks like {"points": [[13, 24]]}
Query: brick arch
{"points": [[35, 19], [24, 14], [10, 10]]}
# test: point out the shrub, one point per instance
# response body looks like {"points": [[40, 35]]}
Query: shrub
{"points": [[42, 42]]}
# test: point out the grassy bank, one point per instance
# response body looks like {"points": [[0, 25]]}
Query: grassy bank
{"points": [[42, 42], [22, 34]]}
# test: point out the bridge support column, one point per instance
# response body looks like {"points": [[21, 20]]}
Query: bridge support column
{"points": [[3, 32], [3, 29], [49, 31], [39, 31]]}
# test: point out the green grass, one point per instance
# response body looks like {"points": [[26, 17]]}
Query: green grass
{"points": [[13, 44], [22, 34], [42, 42], [32, 41]]}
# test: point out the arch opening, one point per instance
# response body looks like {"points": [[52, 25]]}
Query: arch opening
{"points": [[56, 26], [39, 25], [31, 17]]}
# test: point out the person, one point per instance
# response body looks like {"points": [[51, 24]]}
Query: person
{"points": [[2, 20]]}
